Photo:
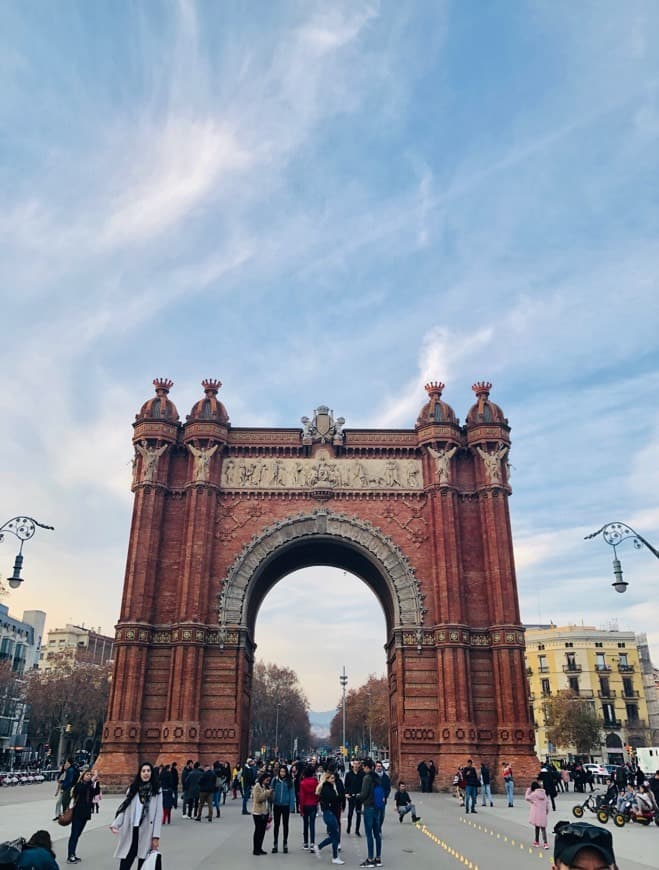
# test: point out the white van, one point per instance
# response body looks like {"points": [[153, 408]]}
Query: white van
{"points": [[647, 758]]}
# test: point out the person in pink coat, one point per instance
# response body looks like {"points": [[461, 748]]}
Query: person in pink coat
{"points": [[537, 797]]}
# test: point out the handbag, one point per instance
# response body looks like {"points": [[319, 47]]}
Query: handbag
{"points": [[153, 861], [66, 817]]}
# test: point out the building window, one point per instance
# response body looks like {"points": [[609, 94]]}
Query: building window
{"points": [[632, 713], [574, 684], [598, 643], [600, 664], [571, 661], [542, 665], [621, 645], [544, 686], [605, 691], [541, 646], [609, 714], [628, 686], [568, 644]]}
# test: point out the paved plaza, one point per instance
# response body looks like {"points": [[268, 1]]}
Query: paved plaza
{"points": [[496, 837]]}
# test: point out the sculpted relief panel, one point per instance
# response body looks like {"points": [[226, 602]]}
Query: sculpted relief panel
{"points": [[322, 472]]}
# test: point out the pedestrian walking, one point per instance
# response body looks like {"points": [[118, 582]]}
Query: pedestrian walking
{"points": [[508, 782], [207, 784], [535, 795], [167, 787], [261, 795], [139, 818], [471, 786], [486, 780], [175, 782], [371, 816], [283, 804], [547, 780], [329, 799], [353, 787], [308, 806], [97, 791], [82, 800]]}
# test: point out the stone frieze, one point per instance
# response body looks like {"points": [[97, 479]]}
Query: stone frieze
{"points": [[324, 472]]}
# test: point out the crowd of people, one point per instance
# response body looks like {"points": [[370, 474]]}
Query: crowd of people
{"points": [[317, 790]]}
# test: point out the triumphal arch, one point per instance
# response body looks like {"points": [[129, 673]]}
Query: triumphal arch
{"points": [[223, 512]]}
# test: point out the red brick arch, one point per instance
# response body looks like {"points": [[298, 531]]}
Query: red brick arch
{"points": [[221, 513]]}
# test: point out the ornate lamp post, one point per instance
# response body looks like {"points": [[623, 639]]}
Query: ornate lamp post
{"points": [[343, 679], [614, 534], [23, 528]]}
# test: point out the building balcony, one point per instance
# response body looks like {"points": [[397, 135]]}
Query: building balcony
{"points": [[603, 669], [626, 669], [636, 724], [572, 669], [606, 695], [543, 670], [632, 693], [612, 723], [586, 693], [529, 672]]}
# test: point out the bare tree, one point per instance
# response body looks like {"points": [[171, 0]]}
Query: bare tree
{"points": [[367, 715], [68, 704], [280, 710]]}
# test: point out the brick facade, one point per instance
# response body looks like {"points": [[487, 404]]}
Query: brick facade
{"points": [[221, 513]]}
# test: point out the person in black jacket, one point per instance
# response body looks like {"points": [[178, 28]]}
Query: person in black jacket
{"points": [[175, 780], [404, 803], [192, 789], [371, 816], [471, 787], [207, 783], [330, 804], [546, 777], [83, 803], [353, 787]]}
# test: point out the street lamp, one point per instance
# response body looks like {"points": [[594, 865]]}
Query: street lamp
{"points": [[614, 534], [343, 679], [22, 528]]}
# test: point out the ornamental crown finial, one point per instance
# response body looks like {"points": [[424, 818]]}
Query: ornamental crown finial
{"points": [[434, 388], [163, 384], [211, 385], [482, 388]]}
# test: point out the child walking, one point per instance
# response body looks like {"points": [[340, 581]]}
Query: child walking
{"points": [[537, 797]]}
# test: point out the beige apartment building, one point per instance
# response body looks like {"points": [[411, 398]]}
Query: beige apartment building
{"points": [[75, 642], [605, 668]]}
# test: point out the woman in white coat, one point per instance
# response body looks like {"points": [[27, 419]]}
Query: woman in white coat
{"points": [[139, 818]]}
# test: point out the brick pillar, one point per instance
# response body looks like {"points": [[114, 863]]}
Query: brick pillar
{"points": [[123, 731]]}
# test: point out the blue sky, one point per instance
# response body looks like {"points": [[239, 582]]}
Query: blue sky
{"points": [[332, 203]]}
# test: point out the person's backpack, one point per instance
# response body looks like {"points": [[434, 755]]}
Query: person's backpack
{"points": [[10, 852], [378, 797]]}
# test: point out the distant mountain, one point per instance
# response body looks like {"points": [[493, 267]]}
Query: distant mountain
{"points": [[320, 721]]}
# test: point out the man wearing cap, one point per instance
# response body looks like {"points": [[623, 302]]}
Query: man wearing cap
{"points": [[580, 846]]}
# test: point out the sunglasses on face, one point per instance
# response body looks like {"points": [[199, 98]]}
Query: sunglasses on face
{"points": [[581, 831]]}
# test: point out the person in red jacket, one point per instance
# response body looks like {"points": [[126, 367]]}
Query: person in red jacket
{"points": [[309, 806]]}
